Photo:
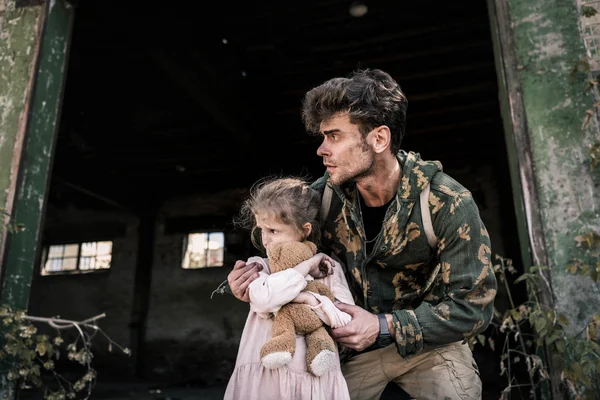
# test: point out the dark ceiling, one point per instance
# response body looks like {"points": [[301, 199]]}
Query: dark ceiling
{"points": [[191, 97]]}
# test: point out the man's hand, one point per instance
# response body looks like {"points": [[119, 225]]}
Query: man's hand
{"points": [[241, 277], [361, 332]]}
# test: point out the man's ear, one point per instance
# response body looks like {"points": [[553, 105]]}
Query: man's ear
{"points": [[381, 138]]}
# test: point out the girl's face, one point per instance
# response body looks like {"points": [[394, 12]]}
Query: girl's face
{"points": [[273, 231]]}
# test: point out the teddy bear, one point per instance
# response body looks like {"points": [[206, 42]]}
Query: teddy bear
{"points": [[297, 318]]}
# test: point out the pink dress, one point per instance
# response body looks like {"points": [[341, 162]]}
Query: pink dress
{"points": [[250, 380]]}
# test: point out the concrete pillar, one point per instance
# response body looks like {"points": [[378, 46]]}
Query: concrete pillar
{"points": [[34, 42], [539, 50], [20, 31]]}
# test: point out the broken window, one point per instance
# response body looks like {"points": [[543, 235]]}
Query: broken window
{"points": [[203, 249], [76, 257]]}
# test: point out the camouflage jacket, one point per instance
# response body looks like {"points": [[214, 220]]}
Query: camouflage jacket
{"points": [[436, 296]]}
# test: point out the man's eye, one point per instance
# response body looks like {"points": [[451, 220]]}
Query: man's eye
{"points": [[273, 231]]}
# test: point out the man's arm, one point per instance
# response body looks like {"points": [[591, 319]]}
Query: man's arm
{"points": [[466, 276]]}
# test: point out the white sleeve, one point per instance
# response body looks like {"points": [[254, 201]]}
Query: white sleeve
{"points": [[326, 310], [329, 313], [271, 291]]}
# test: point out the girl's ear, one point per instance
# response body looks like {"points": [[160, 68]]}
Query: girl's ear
{"points": [[306, 229]]}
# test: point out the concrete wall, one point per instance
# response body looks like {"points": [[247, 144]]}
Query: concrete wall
{"points": [[189, 337], [81, 296]]}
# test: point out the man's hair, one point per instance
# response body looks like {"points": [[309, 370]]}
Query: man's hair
{"points": [[290, 200], [371, 97]]}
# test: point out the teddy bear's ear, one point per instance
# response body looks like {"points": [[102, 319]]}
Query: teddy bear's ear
{"points": [[311, 245]]}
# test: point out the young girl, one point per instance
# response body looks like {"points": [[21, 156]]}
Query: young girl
{"points": [[282, 210]]}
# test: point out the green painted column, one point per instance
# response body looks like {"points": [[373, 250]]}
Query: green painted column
{"points": [[19, 43], [539, 47], [548, 46], [36, 158], [34, 42]]}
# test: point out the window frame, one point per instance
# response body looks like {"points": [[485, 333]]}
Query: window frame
{"points": [[77, 271], [185, 242]]}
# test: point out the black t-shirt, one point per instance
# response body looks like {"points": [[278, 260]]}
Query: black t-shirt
{"points": [[372, 220]]}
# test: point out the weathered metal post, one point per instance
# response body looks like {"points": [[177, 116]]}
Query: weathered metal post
{"points": [[538, 45], [34, 43]]}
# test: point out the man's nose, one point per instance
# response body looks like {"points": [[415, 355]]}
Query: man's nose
{"points": [[322, 150]]}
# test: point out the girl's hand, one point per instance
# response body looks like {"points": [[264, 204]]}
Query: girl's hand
{"points": [[321, 265], [306, 298]]}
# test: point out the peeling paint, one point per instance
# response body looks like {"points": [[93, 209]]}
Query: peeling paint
{"points": [[565, 104], [19, 32], [532, 18], [548, 43]]}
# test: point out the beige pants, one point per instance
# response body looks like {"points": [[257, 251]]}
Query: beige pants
{"points": [[446, 372]]}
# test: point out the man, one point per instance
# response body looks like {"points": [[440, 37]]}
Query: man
{"points": [[416, 303]]}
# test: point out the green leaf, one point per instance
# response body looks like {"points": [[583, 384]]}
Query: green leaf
{"points": [[12, 348], [42, 347], [580, 373], [552, 338], [481, 339], [521, 278], [563, 320], [588, 11], [537, 268], [30, 355], [560, 345], [516, 315], [593, 331], [49, 365], [540, 324]]}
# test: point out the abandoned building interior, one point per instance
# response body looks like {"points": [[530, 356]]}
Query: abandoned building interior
{"points": [[171, 112]]}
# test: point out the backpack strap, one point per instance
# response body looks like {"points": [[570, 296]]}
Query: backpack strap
{"points": [[426, 217], [326, 202]]}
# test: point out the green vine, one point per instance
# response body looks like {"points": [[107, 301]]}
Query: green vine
{"points": [[528, 328]]}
